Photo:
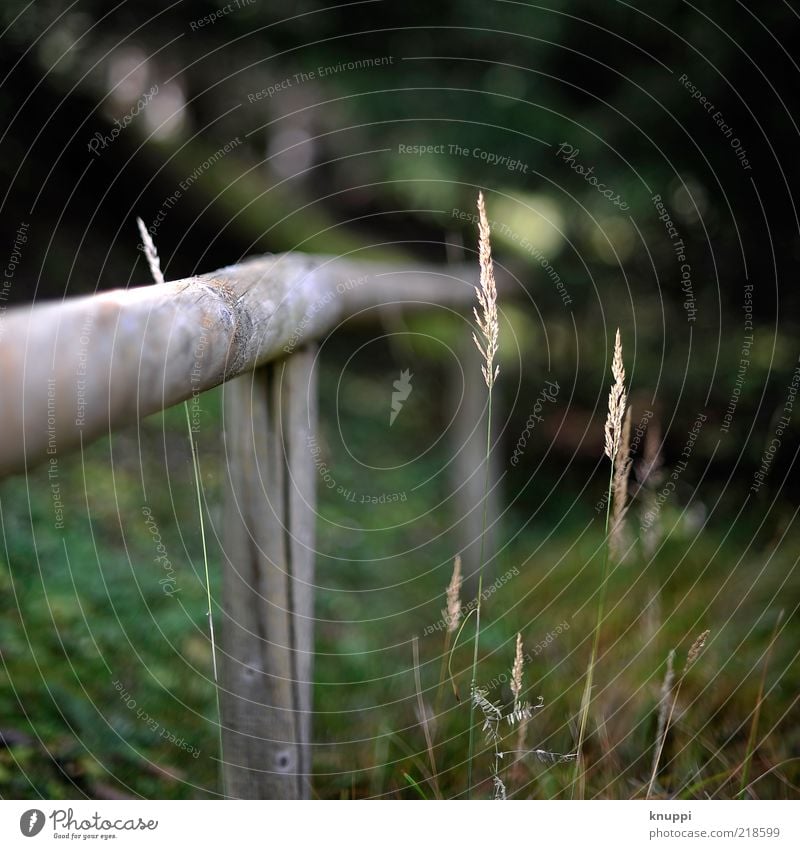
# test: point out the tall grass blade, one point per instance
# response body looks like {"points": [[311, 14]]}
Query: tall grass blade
{"points": [[489, 327]]}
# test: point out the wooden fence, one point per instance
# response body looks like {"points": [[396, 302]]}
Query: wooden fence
{"points": [[75, 371]]}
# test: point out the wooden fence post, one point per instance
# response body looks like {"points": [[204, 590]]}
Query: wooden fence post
{"points": [[268, 565]]}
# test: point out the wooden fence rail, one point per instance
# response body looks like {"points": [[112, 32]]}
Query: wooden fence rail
{"points": [[98, 363], [75, 371]]}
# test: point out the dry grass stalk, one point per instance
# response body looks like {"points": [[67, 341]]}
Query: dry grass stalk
{"points": [[516, 689], [492, 715], [517, 771], [452, 614], [663, 707], [516, 672], [521, 711], [622, 466], [691, 657], [499, 788], [487, 298], [617, 399], [492, 718], [150, 252], [424, 719], [489, 328], [694, 651]]}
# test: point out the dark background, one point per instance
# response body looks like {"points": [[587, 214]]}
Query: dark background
{"points": [[505, 78], [319, 170]]}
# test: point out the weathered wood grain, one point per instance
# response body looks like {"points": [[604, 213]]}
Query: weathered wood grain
{"points": [[76, 370], [299, 424], [261, 755], [268, 580]]}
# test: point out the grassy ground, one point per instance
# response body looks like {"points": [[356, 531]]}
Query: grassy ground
{"points": [[105, 683]]}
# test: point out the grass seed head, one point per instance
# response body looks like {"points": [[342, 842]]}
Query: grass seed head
{"points": [[622, 467], [516, 672], [150, 252], [487, 300], [697, 647], [664, 700], [617, 400], [452, 615]]}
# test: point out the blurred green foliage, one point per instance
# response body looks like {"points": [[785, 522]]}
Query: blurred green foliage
{"points": [[320, 168], [83, 609]]}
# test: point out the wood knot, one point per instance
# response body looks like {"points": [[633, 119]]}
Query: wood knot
{"points": [[285, 761]]}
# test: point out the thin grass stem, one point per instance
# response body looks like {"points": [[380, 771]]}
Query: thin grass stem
{"points": [[196, 466], [423, 718], [474, 677], [694, 653], [579, 779]]}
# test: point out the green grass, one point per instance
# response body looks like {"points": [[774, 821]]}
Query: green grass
{"points": [[82, 610]]}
